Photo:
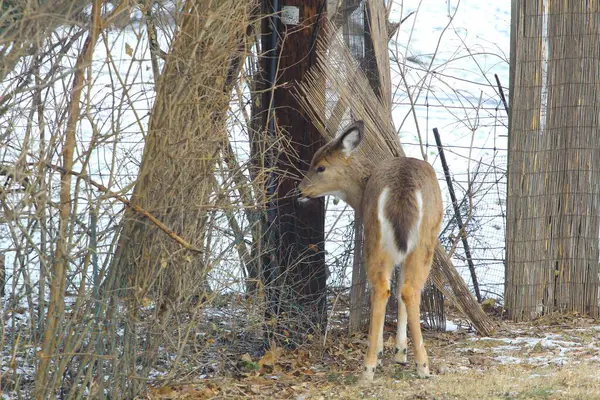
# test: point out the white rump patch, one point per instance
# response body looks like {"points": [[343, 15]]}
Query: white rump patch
{"points": [[388, 241], [387, 230]]}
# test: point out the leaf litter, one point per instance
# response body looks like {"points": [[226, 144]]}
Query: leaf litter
{"points": [[546, 360]]}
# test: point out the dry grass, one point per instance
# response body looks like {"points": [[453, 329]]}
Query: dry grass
{"points": [[557, 361], [498, 382]]}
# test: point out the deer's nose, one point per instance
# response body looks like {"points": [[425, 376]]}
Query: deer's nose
{"points": [[302, 197]]}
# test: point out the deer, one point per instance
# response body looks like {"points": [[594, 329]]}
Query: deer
{"points": [[400, 202]]}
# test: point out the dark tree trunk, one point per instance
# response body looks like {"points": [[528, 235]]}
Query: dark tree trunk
{"points": [[293, 269]]}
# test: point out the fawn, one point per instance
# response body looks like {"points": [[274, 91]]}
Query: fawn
{"points": [[400, 203]]}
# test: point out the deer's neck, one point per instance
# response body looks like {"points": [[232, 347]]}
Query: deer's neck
{"points": [[356, 184]]}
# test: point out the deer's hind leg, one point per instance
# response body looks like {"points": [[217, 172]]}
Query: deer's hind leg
{"points": [[401, 349], [416, 271]]}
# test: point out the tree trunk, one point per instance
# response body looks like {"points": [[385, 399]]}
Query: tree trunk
{"points": [[187, 132], [358, 290], [293, 270]]}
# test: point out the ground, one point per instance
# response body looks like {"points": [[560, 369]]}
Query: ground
{"points": [[555, 358]]}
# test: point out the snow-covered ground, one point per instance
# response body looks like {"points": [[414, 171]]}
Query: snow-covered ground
{"points": [[550, 348]]}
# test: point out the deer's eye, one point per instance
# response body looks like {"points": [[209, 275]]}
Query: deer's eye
{"points": [[320, 168]]}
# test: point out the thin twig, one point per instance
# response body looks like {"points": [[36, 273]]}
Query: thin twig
{"points": [[129, 204], [58, 280], [155, 51]]}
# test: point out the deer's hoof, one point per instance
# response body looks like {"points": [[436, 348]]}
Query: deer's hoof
{"points": [[367, 376], [400, 356], [423, 370]]}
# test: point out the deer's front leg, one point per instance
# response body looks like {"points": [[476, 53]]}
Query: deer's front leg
{"points": [[417, 268]]}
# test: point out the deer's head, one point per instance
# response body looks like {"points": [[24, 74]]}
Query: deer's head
{"points": [[332, 169]]}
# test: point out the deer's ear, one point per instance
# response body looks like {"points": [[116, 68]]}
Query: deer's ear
{"points": [[351, 138]]}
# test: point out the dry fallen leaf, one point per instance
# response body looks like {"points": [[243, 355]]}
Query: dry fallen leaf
{"points": [[255, 389], [390, 342], [163, 392], [267, 360]]}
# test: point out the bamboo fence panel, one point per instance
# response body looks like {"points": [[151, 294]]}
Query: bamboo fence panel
{"points": [[554, 160]]}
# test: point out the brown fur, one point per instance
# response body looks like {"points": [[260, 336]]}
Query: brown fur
{"points": [[345, 175]]}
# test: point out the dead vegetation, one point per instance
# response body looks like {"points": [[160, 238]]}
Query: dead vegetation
{"points": [[544, 361]]}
